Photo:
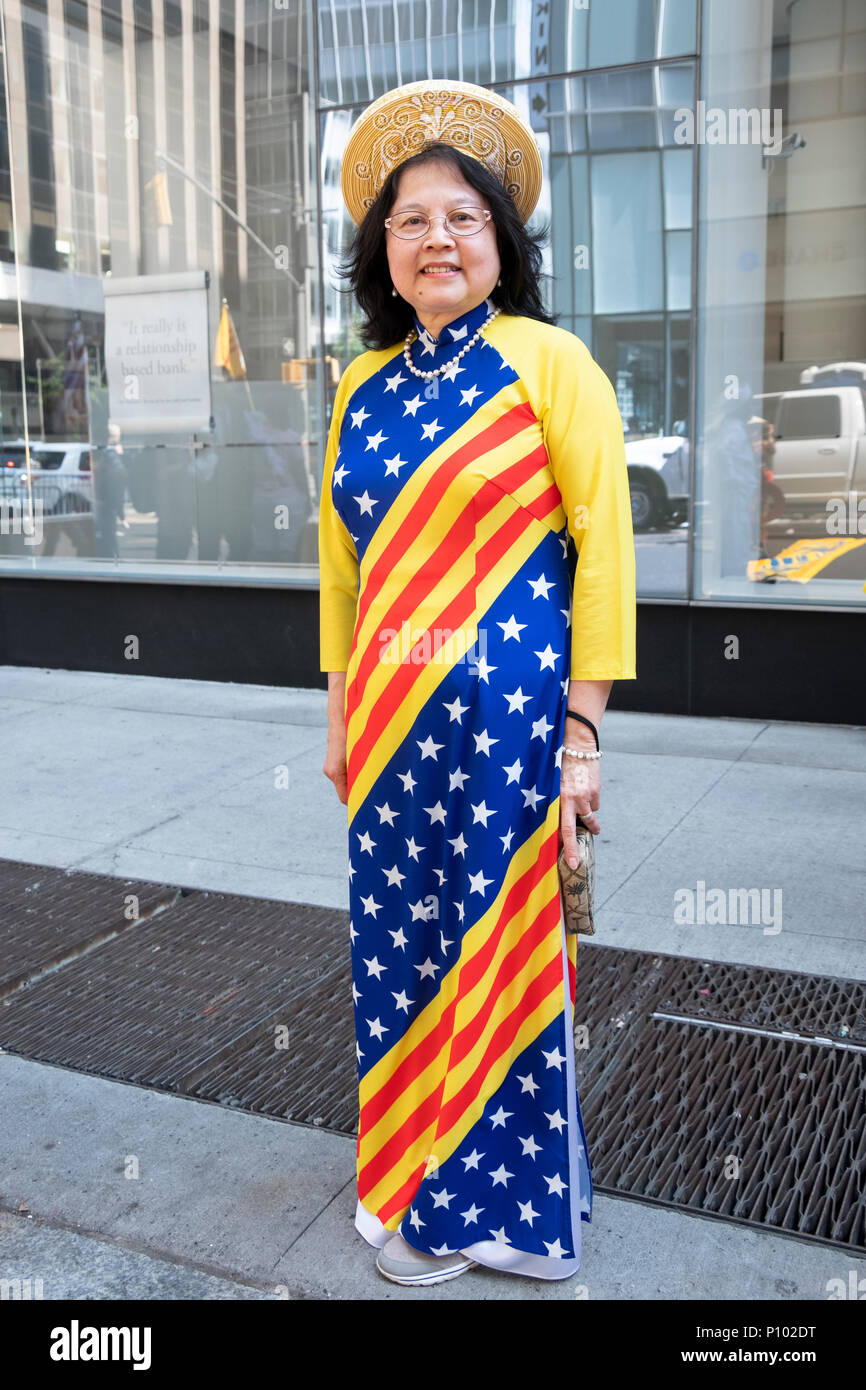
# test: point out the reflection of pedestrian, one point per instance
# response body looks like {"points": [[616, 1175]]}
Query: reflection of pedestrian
{"points": [[738, 476], [109, 493], [281, 500], [763, 435], [74, 400]]}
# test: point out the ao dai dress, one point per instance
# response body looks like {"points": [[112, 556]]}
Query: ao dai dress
{"points": [[446, 597]]}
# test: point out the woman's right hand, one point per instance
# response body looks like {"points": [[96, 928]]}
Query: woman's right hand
{"points": [[335, 755]]}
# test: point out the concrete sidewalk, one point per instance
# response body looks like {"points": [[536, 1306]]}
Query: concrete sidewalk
{"points": [[175, 781]]}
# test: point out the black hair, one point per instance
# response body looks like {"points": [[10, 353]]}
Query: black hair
{"points": [[389, 318]]}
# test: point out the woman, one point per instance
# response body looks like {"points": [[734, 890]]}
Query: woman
{"points": [[465, 446]]}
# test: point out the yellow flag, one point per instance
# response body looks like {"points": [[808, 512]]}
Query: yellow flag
{"points": [[802, 560], [227, 352]]}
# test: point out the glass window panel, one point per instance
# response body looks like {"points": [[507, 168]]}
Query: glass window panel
{"points": [[781, 312], [678, 166], [678, 27], [678, 265], [627, 232]]}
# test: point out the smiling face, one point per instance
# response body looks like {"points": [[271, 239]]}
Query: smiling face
{"points": [[436, 188]]}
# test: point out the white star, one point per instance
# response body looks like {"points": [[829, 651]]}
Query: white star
{"points": [[340, 474], [415, 1220], [428, 968], [460, 845], [501, 1236], [436, 813], [356, 993], [472, 1214], [514, 771], [410, 407], [393, 876], [540, 728], [540, 586], [478, 883], [366, 503], [530, 1148], [531, 797], [554, 1058], [467, 397], [511, 629], [358, 417], [376, 1029], [451, 371], [408, 781], [374, 440], [517, 701], [471, 1160], [374, 968], [456, 710], [526, 1212], [457, 779], [394, 382], [483, 742], [528, 1083], [441, 1250], [402, 1002], [484, 669], [555, 1184], [506, 841], [370, 906], [430, 430], [428, 748], [556, 1121], [481, 813], [502, 1175], [393, 465], [500, 1117], [418, 910], [365, 843], [358, 1053], [555, 1250], [352, 932], [441, 1199], [386, 814], [444, 944], [399, 938], [547, 658], [413, 848]]}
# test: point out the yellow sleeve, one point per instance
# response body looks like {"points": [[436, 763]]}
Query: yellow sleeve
{"points": [[584, 439], [338, 558]]}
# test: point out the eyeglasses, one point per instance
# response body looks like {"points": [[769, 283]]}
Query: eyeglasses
{"points": [[460, 222]]}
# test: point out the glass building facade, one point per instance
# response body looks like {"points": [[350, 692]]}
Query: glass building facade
{"points": [[173, 327]]}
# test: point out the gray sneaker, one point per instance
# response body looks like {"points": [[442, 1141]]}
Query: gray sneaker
{"points": [[403, 1264]]}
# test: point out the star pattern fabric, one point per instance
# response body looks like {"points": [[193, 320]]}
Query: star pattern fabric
{"points": [[463, 978]]}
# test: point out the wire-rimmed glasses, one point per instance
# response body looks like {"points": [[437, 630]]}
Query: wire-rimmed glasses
{"points": [[460, 222]]}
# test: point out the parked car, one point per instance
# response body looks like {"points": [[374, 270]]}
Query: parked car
{"points": [[60, 474], [820, 438], [658, 480]]}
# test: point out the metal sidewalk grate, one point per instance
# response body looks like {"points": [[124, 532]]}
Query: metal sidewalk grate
{"points": [[727, 1090]]}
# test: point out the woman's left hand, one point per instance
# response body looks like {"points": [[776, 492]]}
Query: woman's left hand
{"points": [[579, 795]]}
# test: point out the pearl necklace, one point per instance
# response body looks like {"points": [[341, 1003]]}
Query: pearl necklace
{"points": [[429, 376]]}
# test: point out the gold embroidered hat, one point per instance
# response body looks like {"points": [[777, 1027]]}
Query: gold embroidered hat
{"points": [[473, 119]]}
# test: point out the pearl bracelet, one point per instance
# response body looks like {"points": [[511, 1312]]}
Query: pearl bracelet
{"points": [[579, 752]]}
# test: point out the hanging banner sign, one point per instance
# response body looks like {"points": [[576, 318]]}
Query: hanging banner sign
{"points": [[157, 353]]}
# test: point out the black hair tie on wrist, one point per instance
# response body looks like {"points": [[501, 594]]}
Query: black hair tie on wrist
{"points": [[570, 714]]}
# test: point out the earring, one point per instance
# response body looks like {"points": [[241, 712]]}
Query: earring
{"points": [[499, 281], [393, 292]]}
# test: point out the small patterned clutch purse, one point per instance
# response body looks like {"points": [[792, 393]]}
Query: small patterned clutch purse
{"points": [[577, 886]]}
